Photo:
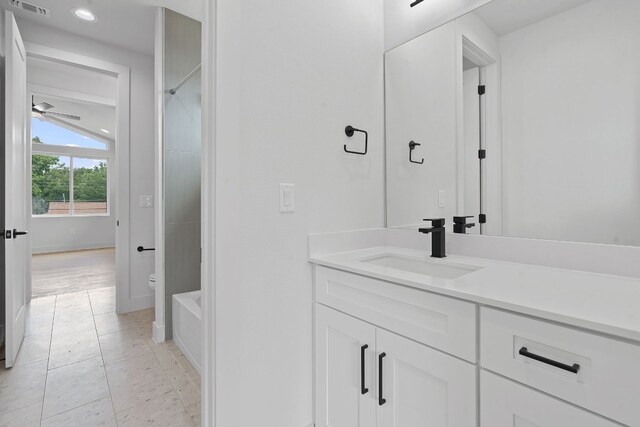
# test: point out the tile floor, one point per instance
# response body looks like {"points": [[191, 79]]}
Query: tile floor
{"points": [[83, 365]]}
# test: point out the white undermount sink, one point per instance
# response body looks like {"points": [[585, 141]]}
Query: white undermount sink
{"points": [[441, 269]]}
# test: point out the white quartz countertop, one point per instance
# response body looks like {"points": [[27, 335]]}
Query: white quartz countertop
{"points": [[598, 302]]}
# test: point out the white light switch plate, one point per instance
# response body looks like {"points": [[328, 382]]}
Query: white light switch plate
{"points": [[146, 201], [287, 198]]}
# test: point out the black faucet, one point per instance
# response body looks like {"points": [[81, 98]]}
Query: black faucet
{"points": [[460, 224], [437, 237]]}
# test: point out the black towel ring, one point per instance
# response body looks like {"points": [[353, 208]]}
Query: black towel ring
{"points": [[412, 146], [349, 131]]}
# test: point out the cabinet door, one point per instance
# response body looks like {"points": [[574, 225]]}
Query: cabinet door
{"points": [[422, 387], [343, 399], [505, 403]]}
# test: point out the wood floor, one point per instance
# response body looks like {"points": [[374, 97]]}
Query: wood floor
{"points": [[68, 272]]}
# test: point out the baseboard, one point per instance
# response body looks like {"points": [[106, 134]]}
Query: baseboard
{"points": [[137, 304], [186, 352], [71, 248], [158, 333]]}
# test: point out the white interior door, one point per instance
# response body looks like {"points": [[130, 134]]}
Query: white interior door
{"points": [[421, 386], [345, 371], [17, 250]]}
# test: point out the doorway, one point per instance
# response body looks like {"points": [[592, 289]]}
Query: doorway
{"points": [[78, 353], [73, 223], [479, 140]]}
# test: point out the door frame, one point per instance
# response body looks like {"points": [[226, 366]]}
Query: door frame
{"points": [[208, 229], [124, 302], [491, 134]]}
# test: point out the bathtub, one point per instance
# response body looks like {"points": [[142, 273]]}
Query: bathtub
{"points": [[186, 310]]}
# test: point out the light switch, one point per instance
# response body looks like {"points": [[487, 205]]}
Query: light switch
{"points": [[146, 201], [441, 199], [287, 198]]}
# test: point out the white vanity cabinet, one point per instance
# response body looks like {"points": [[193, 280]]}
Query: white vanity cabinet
{"points": [[422, 386], [368, 376], [344, 368], [393, 355]]}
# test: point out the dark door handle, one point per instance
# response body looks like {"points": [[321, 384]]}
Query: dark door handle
{"points": [[570, 368], [381, 400], [363, 388], [143, 249], [18, 233]]}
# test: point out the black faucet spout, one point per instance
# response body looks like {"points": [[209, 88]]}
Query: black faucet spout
{"points": [[438, 233]]}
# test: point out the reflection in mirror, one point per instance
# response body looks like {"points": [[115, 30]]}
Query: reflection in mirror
{"points": [[526, 112]]}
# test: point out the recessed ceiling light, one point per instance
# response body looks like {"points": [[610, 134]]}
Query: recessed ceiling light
{"points": [[105, 131], [84, 14]]}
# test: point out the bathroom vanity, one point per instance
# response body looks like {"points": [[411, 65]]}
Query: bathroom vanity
{"points": [[402, 339]]}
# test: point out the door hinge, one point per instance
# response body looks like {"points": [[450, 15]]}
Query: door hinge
{"points": [[482, 89], [482, 154], [482, 218]]}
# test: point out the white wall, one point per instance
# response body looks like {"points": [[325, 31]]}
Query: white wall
{"points": [[571, 103], [291, 76], [141, 139], [402, 23]]}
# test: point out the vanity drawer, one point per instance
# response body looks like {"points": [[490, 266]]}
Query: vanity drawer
{"points": [[607, 380], [439, 322], [504, 403]]}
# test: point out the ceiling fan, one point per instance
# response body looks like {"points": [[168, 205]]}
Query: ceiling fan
{"points": [[43, 108]]}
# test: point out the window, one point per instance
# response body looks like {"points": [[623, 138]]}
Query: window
{"points": [[89, 186], [69, 172], [48, 133], [50, 184]]}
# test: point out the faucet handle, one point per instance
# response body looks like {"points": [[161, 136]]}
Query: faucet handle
{"points": [[436, 222], [461, 219]]}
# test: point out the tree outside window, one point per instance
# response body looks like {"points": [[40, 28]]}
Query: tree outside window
{"points": [[58, 192]]}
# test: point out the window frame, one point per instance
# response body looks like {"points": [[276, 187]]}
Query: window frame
{"points": [[76, 152]]}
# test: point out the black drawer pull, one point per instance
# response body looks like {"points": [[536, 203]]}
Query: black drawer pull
{"points": [[570, 368], [363, 389], [381, 400]]}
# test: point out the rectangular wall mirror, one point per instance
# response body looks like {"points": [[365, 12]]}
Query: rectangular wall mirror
{"points": [[525, 115]]}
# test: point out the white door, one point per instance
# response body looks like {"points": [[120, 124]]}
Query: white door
{"points": [[17, 250], [345, 370], [423, 387], [505, 403]]}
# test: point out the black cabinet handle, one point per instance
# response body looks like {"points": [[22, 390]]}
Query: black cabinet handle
{"points": [[18, 233], [570, 368], [363, 388], [381, 400]]}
